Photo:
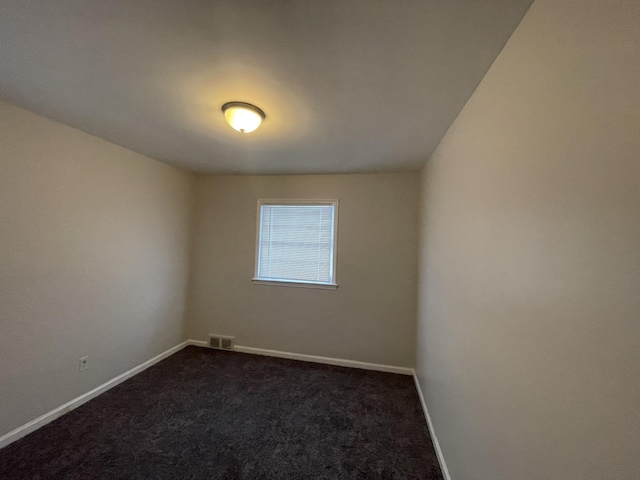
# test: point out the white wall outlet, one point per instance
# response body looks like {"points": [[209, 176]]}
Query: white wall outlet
{"points": [[84, 363]]}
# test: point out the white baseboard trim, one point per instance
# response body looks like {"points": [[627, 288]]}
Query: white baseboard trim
{"points": [[48, 417], [434, 437], [326, 360]]}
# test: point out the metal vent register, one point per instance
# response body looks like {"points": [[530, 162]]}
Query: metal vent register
{"points": [[221, 342]]}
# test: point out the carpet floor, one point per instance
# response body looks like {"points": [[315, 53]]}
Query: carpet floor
{"points": [[207, 414]]}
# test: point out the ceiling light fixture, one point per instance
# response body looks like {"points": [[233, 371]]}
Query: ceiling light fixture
{"points": [[242, 116]]}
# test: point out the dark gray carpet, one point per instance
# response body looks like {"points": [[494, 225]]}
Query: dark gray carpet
{"points": [[206, 414]]}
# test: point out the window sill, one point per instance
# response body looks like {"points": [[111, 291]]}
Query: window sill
{"points": [[285, 283]]}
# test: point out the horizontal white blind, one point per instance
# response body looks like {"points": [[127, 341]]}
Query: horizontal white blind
{"points": [[296, 243]]}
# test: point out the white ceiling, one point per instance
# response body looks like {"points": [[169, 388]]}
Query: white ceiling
{"points": [[347, 85]]}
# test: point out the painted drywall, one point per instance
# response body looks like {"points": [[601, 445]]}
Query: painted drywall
{"points": [[94, 244], [529, 290], [369, 318], [347, 86]]}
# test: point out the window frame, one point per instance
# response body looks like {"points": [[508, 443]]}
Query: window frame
{"points": [[297, 283]]}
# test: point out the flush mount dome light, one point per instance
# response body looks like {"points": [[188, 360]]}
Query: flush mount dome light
{"points": [[242, 116]]}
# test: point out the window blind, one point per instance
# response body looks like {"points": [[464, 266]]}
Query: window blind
{"points": [[296, 243]]}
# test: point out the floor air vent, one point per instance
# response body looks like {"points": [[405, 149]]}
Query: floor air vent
{"points": [[221, 342]]}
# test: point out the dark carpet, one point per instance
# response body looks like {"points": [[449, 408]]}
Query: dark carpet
{"points": [[206, 414]]}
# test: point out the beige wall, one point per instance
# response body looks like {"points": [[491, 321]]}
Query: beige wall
{"points": [[370, 317], [93, 261], [529, 293]]}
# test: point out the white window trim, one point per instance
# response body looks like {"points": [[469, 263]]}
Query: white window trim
{"points": [[294, 283]]}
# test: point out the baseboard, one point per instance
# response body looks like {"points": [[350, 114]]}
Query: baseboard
{"points": [[434, 437], [48, 417], [326, 360]]}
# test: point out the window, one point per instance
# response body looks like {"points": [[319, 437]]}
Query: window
{"points": [[296, 243]]}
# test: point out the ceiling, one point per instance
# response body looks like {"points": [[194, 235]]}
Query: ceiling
{"points": [[347, 85]]}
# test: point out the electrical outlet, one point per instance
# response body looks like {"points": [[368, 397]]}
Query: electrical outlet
{"points": [[84, 363]]}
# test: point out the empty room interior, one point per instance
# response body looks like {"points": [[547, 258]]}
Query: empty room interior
{"points": [[337, 239]]}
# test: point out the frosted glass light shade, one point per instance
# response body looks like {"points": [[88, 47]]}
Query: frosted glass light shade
{"points": [[243, 117]]}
